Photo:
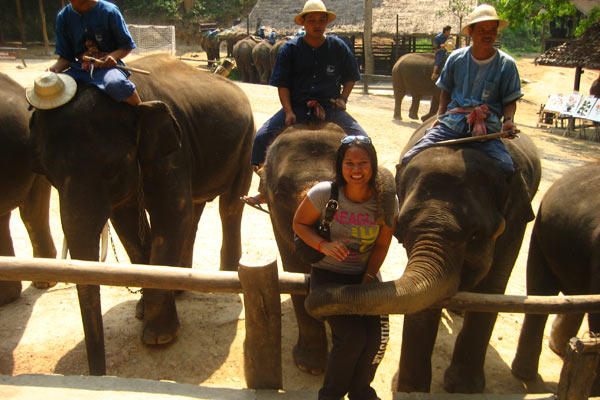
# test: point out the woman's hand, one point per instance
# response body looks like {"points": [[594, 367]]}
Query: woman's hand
{"points": [[337, 250]]}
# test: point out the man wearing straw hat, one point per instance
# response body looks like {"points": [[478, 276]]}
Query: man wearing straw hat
{"points": [[480, 88], [95, 28], [309, 72]]}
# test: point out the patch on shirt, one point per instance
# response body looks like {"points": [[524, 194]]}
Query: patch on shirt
{"points": [[330, 69]]}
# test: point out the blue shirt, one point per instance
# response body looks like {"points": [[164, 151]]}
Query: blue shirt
{"points": [[470, 84], [103, 25], [314, 74], [439, 39]]}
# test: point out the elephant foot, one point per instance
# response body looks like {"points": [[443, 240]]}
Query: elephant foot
{"points": [[426, 117], [43, 285], [523, 369], [557, 348], [310, 361], [9, 291], [413, 116], [398, 117], [161, 324], [461, 379]]}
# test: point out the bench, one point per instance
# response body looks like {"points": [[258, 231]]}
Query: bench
{"points": [[12, 53]]}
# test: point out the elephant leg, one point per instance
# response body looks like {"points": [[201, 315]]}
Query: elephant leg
{"points": [[398, 96], [9, 290], [35, 214], [91, 315], [564, 327], [419, 331], [413, 113], [161, 325], [131, 225], [187, 254], [465, 373], [433, 108], [230, 210], [540, 281], [310, 351]]}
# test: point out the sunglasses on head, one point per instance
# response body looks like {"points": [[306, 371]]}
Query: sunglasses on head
{"points": [[356, 139]]}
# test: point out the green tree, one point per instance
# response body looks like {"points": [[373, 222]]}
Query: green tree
{"points": [[460, 9]]}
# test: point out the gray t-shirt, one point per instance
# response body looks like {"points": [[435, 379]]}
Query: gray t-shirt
{"points": [[356, 224]]}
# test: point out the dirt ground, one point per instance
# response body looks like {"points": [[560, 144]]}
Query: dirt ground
{"points": [[42, 331]]}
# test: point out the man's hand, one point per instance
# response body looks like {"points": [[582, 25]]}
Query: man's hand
{"points": [[340, 104], [509, 126], [107, 62], [290, 118]]}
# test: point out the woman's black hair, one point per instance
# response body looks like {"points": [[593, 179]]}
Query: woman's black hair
{"points": [[341, 153]]}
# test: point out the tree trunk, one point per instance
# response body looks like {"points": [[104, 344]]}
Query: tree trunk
{"points": [[188, 5], [368, 40], [20, 19], [44, 33]]}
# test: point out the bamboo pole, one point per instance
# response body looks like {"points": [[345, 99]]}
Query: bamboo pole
{"points": [[161, 277]]}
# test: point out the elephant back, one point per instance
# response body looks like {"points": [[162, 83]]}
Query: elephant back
{"points": [[14, 115]]}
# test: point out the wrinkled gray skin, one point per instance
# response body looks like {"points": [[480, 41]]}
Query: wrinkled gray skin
{"points": [[297, 160], [169, 156], [564, 256], [19, 185], [261, 56], [462, 223], [412, 75], [242, 53]]}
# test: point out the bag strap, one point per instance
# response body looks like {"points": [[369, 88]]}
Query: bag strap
{"points": [[332, 204]]}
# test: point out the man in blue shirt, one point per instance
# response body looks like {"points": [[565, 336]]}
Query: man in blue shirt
{"points": [[95, 28], [439, 46], [309, 72], [480, 88]]}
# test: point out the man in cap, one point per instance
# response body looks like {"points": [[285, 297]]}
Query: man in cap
{"points": [[309, 72], [480, 88], [95, 28]]}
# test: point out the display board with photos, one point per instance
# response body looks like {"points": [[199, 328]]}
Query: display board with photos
{"points": [[575, 105]]}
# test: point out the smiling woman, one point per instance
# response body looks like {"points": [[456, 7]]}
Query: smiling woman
{"points": [[360, 238]]}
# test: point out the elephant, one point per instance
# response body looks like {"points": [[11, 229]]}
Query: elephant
{"points": [[261, 56], [412, 75], [20, 186], [461, 221], [275, 52], [564, 256], [242, 53], [296, 160], [211, 45], [169, 156]]}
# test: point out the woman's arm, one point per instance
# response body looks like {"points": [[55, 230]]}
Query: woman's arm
{"points": [[306, 215], [382, 244]]}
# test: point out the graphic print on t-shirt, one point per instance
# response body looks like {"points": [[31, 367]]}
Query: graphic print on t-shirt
{"points": [[364, 228]]}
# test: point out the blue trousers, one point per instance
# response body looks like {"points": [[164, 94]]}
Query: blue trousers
{"points": [[270, 129], [493, 147], [112, 81]]}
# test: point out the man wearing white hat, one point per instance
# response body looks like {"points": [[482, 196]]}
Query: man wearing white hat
{"points": [[480, 88], [314, 71], [96, 28]]}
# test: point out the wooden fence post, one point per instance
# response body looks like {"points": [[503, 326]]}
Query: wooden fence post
{"points": [[262, 345], [579, 369]]}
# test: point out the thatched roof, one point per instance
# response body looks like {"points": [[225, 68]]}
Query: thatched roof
{"points": [[414, 17], [583, 51]]}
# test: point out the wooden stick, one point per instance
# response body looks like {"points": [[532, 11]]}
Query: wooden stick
{"points": [[124, 67], [482, 138]]}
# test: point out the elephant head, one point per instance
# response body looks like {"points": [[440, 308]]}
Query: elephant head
{"points": [[97, 153]]}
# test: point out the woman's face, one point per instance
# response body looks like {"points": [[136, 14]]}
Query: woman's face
{"points": [[356, 166]]}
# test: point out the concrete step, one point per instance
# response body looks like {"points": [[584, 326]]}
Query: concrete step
{"points": [[54, 387]]}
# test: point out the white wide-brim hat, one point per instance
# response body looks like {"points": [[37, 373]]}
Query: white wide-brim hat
{"points": [[484, 12], [313, 6], [51, 90]]}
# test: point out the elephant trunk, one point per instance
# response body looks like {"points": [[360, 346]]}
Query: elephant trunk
{"points": [[432, 274]]}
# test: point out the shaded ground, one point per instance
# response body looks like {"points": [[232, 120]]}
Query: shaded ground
{"points": [[42, 332]]}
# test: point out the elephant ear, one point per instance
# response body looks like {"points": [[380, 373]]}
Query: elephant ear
{"points": [[518, 200], [160, 133]]}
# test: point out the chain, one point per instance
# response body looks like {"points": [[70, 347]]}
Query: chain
{"points": [[114, 248]]}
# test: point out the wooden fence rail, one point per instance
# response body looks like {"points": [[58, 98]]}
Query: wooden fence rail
{"points": [[162, 277]]}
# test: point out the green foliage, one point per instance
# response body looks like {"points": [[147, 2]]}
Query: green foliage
{"points": [[585, 23], [165, 8]]}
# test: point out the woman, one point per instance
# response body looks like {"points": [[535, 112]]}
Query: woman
{"points": [[359, 243]]}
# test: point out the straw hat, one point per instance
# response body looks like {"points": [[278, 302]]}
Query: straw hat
{"points": [[313, 6], [51, 90], [449, 45], [484, 12]]}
